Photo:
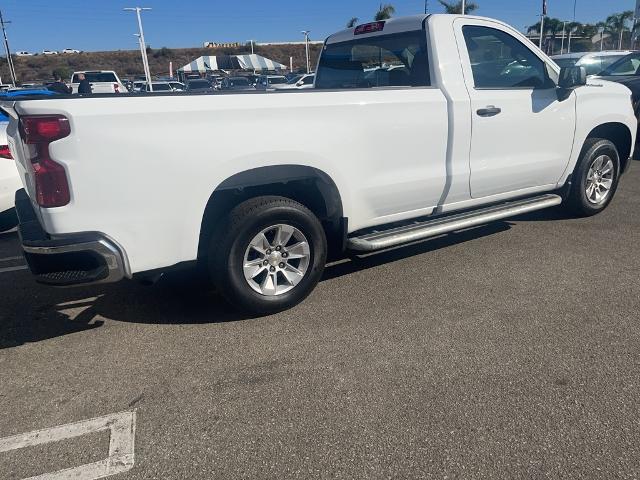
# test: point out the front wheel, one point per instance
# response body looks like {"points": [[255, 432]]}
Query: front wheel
{"points": [[268, 255], [595, 178]]}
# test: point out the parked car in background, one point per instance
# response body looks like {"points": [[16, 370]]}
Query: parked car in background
{"points": [[139, 86], [268, 82], [70, 50], [199, 86], [593, 62], [236, 83], [302, 82], [9, 179], [627, 72], [49, 52], [158, 87], [177, 86], [23, 54], [102, 81]]}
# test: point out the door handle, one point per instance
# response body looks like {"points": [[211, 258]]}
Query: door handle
{"points": [[489, 111]]}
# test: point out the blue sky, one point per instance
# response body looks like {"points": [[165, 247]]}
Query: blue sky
{"points": [[102, 25]]}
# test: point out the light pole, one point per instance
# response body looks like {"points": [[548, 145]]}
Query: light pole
{"points": [[251, 41], [463, 5], [12, 70], [145, 60], [306, 45], [601, 31], [564, 26]]}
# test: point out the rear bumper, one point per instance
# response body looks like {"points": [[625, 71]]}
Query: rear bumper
{"points": [[67, 260]]}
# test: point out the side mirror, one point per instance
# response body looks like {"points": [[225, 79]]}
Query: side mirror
{"points": [[572, 77]]}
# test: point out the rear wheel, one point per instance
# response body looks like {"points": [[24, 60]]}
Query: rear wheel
{"points": [[595, 178], [269, 255]]}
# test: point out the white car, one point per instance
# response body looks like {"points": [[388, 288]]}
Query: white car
{"points": [[23, 54], [70, 50], [302, 82], [478, 125], [9, 181], [270, 82], [593, 62], [158, 87], [102, 81], [49, 52]]}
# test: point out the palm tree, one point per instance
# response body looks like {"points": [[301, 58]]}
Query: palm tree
{"points": [[456, 7], [385, 12], [551, 26], [352, 23], [617, 23]]}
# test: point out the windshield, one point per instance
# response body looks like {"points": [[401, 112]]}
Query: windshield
{"points": [[161, 87], [624, 66], [97, 77], [566, 62]]}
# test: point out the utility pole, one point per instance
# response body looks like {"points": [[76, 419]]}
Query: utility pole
{"points": [[463, 3], [426, 6], [306, 44], [143, 44], [544, 14], [564, 26], [12, 70]]}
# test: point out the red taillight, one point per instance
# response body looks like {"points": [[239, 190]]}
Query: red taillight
{"points": [[52, 187], [369, 28], [116, 88], [5, 152]]}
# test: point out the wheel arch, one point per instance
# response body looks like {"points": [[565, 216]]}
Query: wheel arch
{"points": [[620, 135], [309, 186]]}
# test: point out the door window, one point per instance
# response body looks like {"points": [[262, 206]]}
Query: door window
{"points": [[500, 61]]}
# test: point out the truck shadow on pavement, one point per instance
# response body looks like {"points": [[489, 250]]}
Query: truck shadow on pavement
{"points": [[34, 313]]}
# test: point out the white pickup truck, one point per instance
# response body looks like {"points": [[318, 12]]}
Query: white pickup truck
{"points": [[416, 127], [102, 81]]}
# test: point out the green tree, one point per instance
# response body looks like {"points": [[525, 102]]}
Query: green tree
{"points": [[456, 7], [385, 12], [62, 72], [352, 23], [552, 26], [618, 23]]}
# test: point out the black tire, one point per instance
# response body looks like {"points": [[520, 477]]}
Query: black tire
{"points": [[229, 244], [577, 201], [8, 220]]}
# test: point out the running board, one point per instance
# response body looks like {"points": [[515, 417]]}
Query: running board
{"points": [[430, 228]]}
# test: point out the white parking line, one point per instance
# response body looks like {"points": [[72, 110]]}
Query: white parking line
{"points": [[13, 269], [121, 445], [10, 259]]}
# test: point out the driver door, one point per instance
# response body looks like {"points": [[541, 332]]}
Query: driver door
{"points": [[522, 134]]}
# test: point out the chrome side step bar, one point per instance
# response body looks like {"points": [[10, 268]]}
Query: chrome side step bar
{"points": [[430, 228]]}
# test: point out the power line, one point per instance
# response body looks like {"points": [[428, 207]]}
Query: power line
{"points": [[12, 70]]}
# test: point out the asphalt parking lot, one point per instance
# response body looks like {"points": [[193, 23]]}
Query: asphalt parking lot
{"points": [[509, 351]]}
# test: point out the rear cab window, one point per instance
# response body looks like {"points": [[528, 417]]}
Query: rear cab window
{"points": [[96, 77], [393, 60]]}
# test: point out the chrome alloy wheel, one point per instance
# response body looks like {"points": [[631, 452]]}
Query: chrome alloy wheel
{"points": [[276, 260], [599, 180]]}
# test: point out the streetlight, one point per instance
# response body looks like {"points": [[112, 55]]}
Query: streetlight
{"points": [[463, 7], [145, 59], [306, 43], [564, 26]]}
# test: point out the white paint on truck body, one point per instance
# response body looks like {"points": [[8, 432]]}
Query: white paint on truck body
{"points": [[141, 169]]}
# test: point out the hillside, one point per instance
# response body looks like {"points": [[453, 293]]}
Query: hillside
{"points": [[129, 63]]}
